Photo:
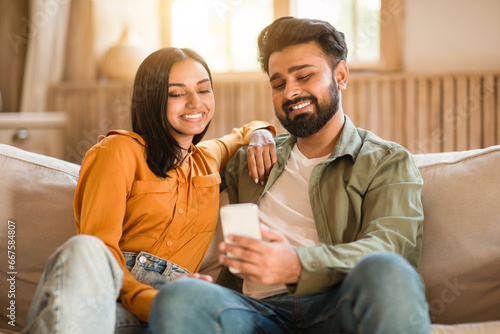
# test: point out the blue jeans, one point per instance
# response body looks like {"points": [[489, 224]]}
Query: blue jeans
{"points": [[81, 283], [382, 294]]}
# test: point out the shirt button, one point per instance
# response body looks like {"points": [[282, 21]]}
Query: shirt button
{"points": [[142, 259], [169, 243], [182, 180], [313, 265], [181, 211]]}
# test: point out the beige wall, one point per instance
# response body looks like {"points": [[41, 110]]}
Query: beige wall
{"points": [[452, 36]]}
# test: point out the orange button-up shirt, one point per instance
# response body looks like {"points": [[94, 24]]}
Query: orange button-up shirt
{"points": [[121, 201]]}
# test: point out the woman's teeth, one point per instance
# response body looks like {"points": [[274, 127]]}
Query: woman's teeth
{"points": [[192, 116]]}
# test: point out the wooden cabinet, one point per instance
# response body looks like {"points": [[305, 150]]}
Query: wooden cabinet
{"points": [[39, 132]]}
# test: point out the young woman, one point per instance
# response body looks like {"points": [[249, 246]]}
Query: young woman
{"points": [[149, 199]]}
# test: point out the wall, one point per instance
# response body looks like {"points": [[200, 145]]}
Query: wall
{"points": [[112, 16], [452, 36]]}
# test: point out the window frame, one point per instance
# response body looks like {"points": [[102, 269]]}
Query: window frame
{"points": [[391, 33]]}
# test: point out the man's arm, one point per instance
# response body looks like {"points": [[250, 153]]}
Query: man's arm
{"points": [[386, 203], [391, 220]]}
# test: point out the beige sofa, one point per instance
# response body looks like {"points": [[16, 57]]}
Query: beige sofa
{"points": [[461, 254]]}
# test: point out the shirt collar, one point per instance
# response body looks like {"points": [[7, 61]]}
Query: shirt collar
{"points": [[349, 142]]}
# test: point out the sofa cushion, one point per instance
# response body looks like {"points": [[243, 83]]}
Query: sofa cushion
{"points": [[461, 252], [36, 193], [491, 327]]}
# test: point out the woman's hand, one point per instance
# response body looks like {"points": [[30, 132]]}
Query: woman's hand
{"points": [[261, 155], [203, 277]]}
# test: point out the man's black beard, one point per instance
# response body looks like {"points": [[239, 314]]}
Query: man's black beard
{"points": [[307, 124]]}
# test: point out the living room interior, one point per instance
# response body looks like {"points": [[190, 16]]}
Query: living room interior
{"points": [[423, 73]]}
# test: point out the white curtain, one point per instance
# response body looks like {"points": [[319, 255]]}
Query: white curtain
{"points": [[45, 59]]}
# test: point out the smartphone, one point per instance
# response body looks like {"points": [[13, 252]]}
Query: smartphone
{"points": [[240, 219]]}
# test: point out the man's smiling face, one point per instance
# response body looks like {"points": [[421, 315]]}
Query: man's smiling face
{"points": [[304, 92]]}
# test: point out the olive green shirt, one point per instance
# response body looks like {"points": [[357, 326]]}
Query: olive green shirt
{"points": [[365, 198]]}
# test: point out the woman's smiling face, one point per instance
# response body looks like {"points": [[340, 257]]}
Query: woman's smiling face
{"points": [[191, 102]]}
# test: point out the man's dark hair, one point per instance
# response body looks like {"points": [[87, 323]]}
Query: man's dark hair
{"points": [[287, 31], [149, 108]]}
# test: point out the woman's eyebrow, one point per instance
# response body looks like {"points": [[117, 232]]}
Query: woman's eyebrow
{"points": [[184, 85]]}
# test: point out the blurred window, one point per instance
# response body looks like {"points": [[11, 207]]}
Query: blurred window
{"points": [[225, 32]]}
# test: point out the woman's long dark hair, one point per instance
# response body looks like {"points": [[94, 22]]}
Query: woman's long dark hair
{"points": [[149, 107]]}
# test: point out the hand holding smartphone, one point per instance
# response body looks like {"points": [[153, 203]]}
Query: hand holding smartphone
{"points": [[240, 219]]}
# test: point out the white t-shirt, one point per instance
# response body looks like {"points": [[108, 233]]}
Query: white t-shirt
{"points": [[286, 208]]}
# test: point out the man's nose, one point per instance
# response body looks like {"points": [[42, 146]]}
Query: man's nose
{"points": [[292, 90]]}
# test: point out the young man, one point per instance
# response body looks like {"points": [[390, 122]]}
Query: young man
{"points": [[341, 208]]}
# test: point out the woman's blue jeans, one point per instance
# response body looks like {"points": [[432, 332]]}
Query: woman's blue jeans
{"points": [[382, 294], [80, 285]]}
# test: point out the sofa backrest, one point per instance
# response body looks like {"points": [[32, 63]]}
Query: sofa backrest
{"points": [[36, 211], [461, 252]]}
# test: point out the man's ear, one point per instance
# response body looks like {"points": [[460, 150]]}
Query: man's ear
{"points": [[341, 73]]}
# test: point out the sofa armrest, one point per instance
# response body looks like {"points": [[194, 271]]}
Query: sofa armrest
{"points": [[36, 206]]}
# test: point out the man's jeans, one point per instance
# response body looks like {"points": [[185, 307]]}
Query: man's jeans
{"points": [[382, 294], [79, 287], [82, 280]]}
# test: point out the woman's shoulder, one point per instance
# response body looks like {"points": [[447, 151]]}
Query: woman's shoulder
{"points": [[122, 144], [123, 137], [119, 154]]}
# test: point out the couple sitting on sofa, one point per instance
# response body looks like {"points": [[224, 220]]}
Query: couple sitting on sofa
{"points": [[341, 211]]}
